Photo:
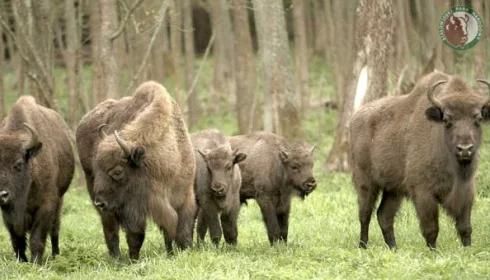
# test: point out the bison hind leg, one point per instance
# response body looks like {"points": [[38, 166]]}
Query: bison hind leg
{"points": [[390, 203], [185, 226], [55, 231], [366, 196]]}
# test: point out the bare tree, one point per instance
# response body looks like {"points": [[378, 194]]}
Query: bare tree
{"points": [[72, 60], [194, 107], [106, 56], [223, 52], [374, 30], [244, 67], [281, 106], [176, 46], [2, 73], [301, 52]]}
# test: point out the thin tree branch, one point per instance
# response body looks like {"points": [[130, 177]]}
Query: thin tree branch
{"points": [[121, 26], [161, 19]]}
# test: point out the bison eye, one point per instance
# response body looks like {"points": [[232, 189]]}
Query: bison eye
{"points": [[18, 165], [117, 173], [295, 168]]}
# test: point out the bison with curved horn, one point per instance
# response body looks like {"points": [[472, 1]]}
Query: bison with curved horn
{"points": [[423, 145], [36, 168], [138, 161]]}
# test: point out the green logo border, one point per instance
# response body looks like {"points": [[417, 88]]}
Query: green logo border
{"points": [[469, 10]]}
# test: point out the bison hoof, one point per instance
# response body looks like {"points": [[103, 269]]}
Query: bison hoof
{"points": [[362, 244]]}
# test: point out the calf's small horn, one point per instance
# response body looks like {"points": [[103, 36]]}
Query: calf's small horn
{"points": [[124, 146], [34, 138], [431, 96]]}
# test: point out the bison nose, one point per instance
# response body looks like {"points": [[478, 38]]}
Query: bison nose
{"points": [[310, 184], [218, 189], [4, 196], [465, 148], [101, 205]]}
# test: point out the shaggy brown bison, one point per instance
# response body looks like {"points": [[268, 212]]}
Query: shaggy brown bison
{"points": [[138, 162], [36, 168], [217, 185], [272, 173], [424, 145]]}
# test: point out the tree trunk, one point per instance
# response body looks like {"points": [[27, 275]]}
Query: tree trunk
{"points": [[176, 46], [72, 61], [281, 114], [372, 49], [106, 55], [223, 53], [244, 68], [2, 73], [193, 104], [301, 53]]}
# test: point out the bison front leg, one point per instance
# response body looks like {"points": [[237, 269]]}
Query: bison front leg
{"points": [[269, 216], [283, 219], [18, 244], [212, 219], [390, 203], [229, 224], [135, 241], [463, 225], [168, 242], [428, 214], [202, 226], [110, 226]]}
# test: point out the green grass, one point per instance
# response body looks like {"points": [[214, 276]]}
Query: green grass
{"points": [[322, 242]]}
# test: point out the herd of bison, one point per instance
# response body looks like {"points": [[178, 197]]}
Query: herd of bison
{"points": [[140, 162]]}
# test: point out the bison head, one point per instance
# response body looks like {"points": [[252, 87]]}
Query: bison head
{"points": [[118, 174], [15, 165], [221, 163], [461, 115], [298, 162]]}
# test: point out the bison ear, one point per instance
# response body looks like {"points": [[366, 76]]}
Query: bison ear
{"points": [[434, 114], [33, 151], [485, 112], [284, 156], [137, 156], [239, 157]]}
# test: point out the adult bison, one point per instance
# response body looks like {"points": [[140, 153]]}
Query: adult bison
{"points": [[217, 185], [138, 162], [424, 145], [273, 172], [36, 168]]}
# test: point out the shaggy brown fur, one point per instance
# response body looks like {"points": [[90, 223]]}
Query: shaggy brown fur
{"points": [[408, 145], [272, 173], [36, 169], [153, 178], [217, 185]]}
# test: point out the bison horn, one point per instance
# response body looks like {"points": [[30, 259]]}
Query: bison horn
{"points": [[100, 130], [124, 146], [34, 141], [431, 96], [487, 83]]}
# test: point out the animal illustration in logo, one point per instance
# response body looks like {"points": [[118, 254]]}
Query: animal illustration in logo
{"points": [[456, 29]]}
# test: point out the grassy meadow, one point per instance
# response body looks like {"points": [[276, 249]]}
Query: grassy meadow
{"points": [[322, 240]]}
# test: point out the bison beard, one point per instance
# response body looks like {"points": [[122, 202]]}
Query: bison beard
{"points": [[138, 161], [394, 156]]}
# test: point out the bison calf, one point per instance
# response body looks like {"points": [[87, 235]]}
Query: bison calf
{"points": [[217, 186], [272, 173], [138, 162], [424, 145], [36, 167]]}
